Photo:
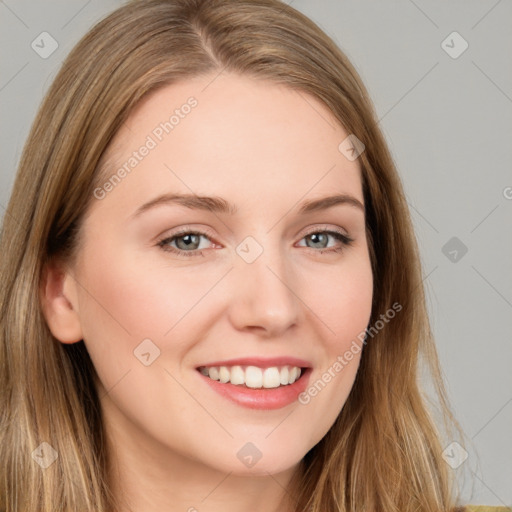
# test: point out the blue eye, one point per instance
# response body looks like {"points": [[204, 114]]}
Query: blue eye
{"points": [[188, 240], [318, 237], [187, 243]]}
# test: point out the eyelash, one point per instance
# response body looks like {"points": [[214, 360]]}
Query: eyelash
{"points": [[345, 240]]}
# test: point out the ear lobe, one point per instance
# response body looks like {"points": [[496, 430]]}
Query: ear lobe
{"points": [[59, 303]]}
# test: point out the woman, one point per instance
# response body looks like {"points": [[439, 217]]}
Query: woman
{"points": [[273, 366]]}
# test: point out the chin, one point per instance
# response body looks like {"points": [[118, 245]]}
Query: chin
{"points": [[277, 463]]}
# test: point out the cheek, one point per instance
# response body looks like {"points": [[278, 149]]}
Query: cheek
{"points": [[351, 311], [341, 298], [344, 309], [138, 296], [124, 301]]}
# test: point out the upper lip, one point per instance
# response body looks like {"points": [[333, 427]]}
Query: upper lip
{"points": [[261, 362]]}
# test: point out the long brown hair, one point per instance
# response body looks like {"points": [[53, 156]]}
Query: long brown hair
{"points": [[384, 451]]}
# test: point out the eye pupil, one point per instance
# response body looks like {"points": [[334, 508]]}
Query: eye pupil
{"points": [[191, 239], [316, 238]]}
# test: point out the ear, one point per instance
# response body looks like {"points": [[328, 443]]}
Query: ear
{"points": [[59, 301]]}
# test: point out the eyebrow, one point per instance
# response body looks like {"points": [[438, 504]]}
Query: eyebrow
{"points": [[217, 204]]}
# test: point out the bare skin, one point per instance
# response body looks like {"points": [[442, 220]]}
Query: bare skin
{"points": [[265, 149]]}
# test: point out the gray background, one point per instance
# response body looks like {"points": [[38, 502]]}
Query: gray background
{"points": [[448, 123]]}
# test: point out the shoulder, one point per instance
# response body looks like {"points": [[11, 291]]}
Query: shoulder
{"points": [[482, 508]]}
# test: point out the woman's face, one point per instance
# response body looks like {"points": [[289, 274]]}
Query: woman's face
{"points": [[267, 281]]}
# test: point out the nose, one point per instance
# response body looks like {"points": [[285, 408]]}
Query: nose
{"points": [[263, 298]]}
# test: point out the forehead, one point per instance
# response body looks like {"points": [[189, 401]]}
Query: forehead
{"points": [[228, 135]]}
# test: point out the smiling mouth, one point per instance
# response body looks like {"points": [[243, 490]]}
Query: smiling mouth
{"points": [[254, 377]]}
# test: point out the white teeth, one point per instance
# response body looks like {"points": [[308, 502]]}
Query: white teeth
{"points": [[253, 376], [224, 375], [284, 376], [271, 378], [237, 375]]}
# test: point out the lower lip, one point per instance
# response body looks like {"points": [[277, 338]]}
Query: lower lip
{"points": [[261, 398]]}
